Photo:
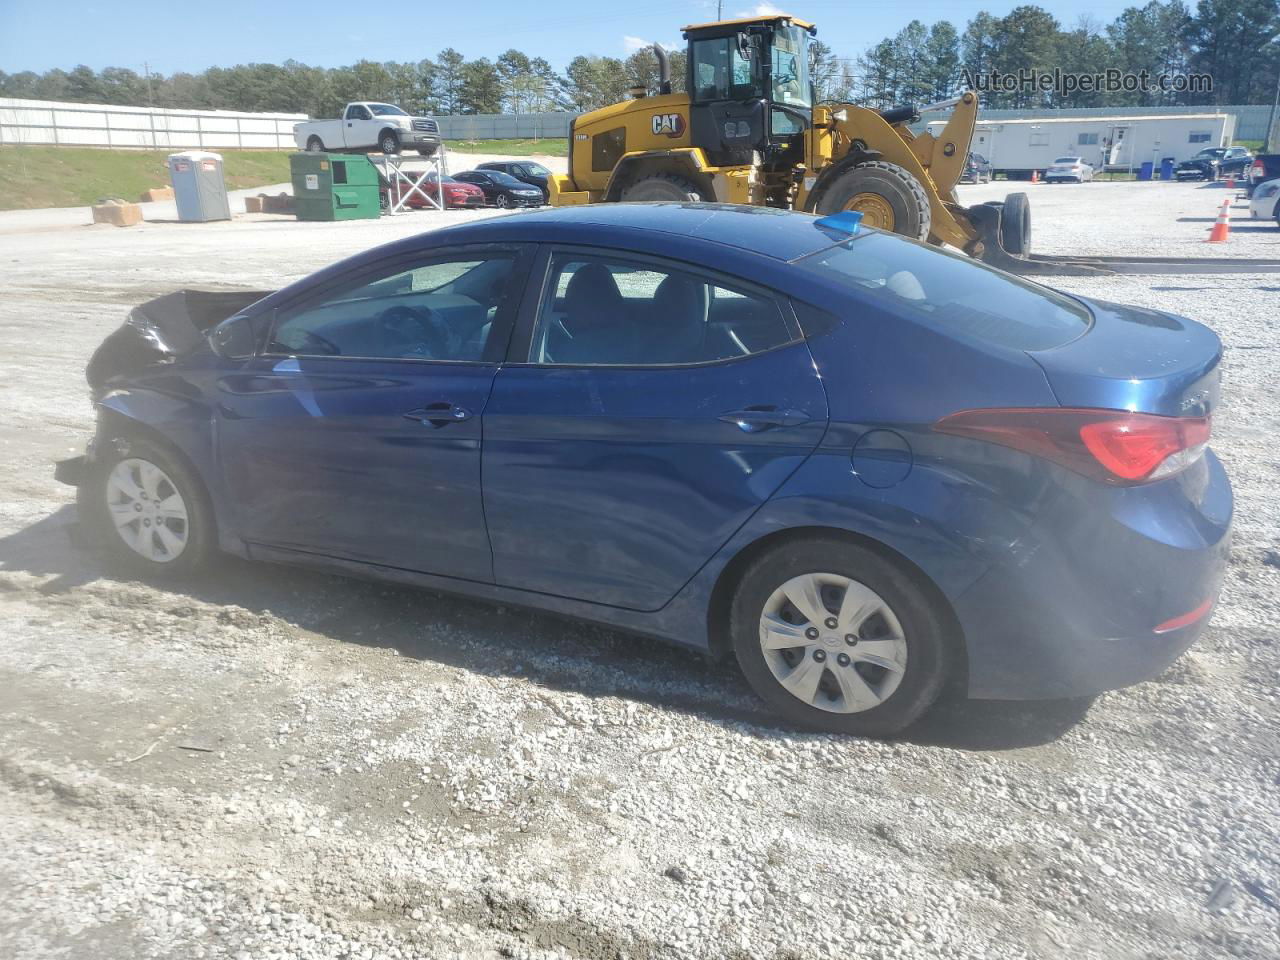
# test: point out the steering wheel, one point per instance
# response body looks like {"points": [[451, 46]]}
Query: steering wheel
{"points": [[415, 330]]}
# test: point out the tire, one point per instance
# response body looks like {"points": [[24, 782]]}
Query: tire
{"points": [[315, 145], [389, 142], [156, 476], [888, 196], [500, 201], [662, 187], [906, 628], [1015, 225]]}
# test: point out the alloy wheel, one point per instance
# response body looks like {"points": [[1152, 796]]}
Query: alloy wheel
{"points": [[147, 511], [501, 201], [833, 643]]}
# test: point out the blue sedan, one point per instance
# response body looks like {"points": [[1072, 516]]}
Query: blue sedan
{"points": [[868, 469]]}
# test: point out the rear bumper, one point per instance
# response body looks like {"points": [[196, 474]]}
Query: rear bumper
{"points": [[1073, 608]]}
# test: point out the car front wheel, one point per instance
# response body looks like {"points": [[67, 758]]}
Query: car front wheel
{"points": [[835, 636], [500, 200], [145, 506]]}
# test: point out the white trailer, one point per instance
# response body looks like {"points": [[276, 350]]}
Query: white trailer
{"points": [[1016, 147]]}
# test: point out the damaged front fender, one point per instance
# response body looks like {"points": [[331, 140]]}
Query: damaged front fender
{"points": [[161, 330]]}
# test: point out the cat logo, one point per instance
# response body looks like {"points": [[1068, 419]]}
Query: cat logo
{"points": [[668, 124]]}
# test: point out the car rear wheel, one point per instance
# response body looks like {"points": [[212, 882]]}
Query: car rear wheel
{"points": [[315, 145], [144, 505], [835, 636]]}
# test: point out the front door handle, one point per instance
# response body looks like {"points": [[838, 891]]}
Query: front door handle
{"points": [[756, 418], [438, 414]]}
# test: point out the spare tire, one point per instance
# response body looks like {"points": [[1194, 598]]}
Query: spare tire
{"points": [[888, 196], [1015, 225]]}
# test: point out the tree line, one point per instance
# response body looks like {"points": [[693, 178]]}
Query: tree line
{"points": [[446, 84], [1234, 41]]}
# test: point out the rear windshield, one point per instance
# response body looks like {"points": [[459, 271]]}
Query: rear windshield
{"points": [[952, 292], [1066, 160]]}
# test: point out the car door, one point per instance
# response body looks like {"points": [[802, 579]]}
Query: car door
{"points": [[358, 128], [355, 433], [646, 411]]}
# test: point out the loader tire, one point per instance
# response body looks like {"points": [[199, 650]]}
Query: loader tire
{"points": [[887, 196], [1015, 225], [662, 186]]}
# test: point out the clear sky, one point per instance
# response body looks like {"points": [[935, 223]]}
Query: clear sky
{"points": [[176, 36]]}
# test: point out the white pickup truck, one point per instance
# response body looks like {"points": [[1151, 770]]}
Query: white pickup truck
{"points": [[366, 127]]}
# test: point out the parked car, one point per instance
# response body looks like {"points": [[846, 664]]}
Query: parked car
{"points": [[455, 192], [977, 169], [1213, 163], [526, 171], [1265, 167], [1265, 202], [1068, 168], [366, 127], [501, 189], [865, 467]]}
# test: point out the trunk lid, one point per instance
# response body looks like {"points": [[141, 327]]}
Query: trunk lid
{"points": [[1136, 359]]}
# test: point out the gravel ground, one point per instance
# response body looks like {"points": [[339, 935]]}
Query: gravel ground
{"points": [[277, 763]]}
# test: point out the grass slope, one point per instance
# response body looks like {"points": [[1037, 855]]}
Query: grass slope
{"points": [[553, 147], [37, 177]]}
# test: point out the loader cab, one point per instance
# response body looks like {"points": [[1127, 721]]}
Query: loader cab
{"points": [[749, 88]]}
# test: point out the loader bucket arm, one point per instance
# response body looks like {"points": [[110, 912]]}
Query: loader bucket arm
{"points": [[935, 162]]}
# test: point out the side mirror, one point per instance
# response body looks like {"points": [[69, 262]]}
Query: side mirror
{"points": [[234, 339]]}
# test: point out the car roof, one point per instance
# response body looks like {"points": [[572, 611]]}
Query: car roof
{"points": [[778, 234]]}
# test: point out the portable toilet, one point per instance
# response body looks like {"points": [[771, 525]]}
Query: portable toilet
{"points": [[198, 186], [335, 187]]}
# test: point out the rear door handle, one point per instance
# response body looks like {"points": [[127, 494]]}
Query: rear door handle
{"points": [[439, 414], [757, 418]]}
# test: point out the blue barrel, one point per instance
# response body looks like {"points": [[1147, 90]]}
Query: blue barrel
{"points": [[1166, 168], [1144, 171]]}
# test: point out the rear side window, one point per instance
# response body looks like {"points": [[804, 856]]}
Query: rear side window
{"points": [[615, 312], [952, 292]]}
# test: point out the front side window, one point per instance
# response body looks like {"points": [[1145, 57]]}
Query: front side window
{"points": [[721, 72], [614, 312], [443, 309], [357, 112]]}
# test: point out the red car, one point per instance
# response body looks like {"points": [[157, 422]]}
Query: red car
{"points": [[456, 193]]}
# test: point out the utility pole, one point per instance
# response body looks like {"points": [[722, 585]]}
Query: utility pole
{"points": [[1272, 142], [719, 9]]}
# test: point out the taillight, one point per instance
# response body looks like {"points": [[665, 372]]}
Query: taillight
{"points": [[1114, 446]]}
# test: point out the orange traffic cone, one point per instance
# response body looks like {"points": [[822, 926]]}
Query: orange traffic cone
{"points": [[1221, 231], [1231, 181], [1035, 176]]}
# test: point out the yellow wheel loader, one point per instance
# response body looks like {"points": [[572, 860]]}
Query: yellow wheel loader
{"points": [[748, 131]]}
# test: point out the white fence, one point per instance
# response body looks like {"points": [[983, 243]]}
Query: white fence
{"points": [[93, 125]]}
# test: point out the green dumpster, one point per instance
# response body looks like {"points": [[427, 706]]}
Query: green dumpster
{"points": [[334, 187]]}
